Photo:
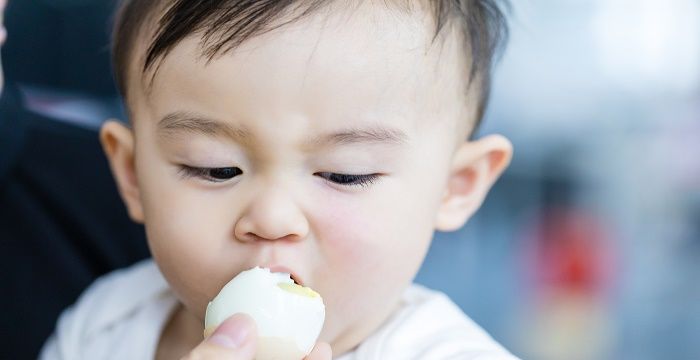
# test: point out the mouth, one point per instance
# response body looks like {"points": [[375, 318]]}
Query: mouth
{"points": [[282, 269]]}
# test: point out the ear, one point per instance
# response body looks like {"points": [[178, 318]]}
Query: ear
{"points": [[475, 168], [118, 144]]}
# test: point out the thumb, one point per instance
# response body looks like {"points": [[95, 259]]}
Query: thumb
{"points": [[234, 339]]}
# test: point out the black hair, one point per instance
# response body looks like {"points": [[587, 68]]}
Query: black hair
{"points": [[226, 24]]}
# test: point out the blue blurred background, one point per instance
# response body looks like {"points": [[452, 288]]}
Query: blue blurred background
{"points": [[589, 246]]}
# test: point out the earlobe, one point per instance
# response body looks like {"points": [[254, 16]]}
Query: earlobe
{"points": [[118, 144], [475, 168]]}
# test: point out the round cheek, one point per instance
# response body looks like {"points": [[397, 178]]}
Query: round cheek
{"points": [[186, 232], [372, 246], [181, 258]]}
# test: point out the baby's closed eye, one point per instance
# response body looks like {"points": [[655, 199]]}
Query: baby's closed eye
{"points": [[348, 179], [221, 174], [216, 174]]}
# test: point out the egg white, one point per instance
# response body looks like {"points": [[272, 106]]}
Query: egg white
{"points": [[289, 317]]}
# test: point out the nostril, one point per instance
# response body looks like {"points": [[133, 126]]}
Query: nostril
{"points": [[256, 237], [253, 236], [271, 219], [248, 237]]}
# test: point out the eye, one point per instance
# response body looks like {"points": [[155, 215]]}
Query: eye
{"points": [[210, 174], [349, 180]]}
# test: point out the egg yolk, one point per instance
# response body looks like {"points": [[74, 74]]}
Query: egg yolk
{"points": [[298, 289]]}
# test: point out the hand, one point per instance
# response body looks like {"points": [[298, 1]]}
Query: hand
{"points": [[236, 338]]}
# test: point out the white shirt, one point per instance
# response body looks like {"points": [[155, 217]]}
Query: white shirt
{"points": [[122, 315]]}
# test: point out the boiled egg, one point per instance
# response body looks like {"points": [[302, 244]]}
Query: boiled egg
{"points": [[289, 317]]}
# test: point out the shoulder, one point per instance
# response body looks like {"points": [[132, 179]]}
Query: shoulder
{"points": [[108, 312], [430, 326]]}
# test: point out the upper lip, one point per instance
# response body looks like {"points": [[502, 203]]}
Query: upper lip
{"points": [[283, 269]]}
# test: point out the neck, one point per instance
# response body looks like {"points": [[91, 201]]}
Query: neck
{"points": [[354, 336], [181, 334]]}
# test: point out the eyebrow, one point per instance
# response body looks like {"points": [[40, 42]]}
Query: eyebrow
{"points": [[187, 122], [374, 134]]}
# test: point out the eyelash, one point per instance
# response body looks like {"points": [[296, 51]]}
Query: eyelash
{"points": [[231, 172], [206, 173], [349, 180]]}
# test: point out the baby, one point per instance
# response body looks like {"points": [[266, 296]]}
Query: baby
{"points": [[327, 139]]}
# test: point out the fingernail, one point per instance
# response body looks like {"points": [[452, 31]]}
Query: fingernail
{"points": [[232, 333]]}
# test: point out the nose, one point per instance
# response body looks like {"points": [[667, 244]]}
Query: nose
{"points": [[272, 215]]}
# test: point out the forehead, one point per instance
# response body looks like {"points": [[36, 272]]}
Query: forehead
{"points": [[369, 59]]}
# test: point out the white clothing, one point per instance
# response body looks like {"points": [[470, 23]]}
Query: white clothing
{"points": [[122, 315]]}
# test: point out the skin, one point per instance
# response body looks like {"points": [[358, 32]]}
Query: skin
{"points": [[287, 108]]}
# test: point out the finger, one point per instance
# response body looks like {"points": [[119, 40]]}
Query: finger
{"points": [[322, 351], [234, 339]]}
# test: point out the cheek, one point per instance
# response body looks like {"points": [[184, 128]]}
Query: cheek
{"points": [[365, 230], [385, 232], [372, 250], [186, 231], [375, 243], [348, 233]]}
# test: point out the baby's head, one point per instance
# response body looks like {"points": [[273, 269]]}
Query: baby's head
{"points": [[325, 137]]}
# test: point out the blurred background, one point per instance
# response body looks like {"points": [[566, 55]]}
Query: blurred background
{"points": [[589, 246]]}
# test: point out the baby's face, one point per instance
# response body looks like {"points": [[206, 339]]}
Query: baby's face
{"points": [[323, 147]]}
